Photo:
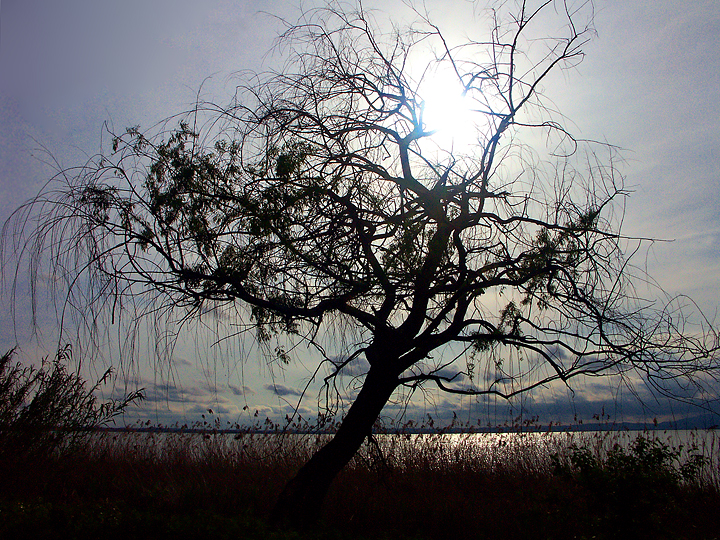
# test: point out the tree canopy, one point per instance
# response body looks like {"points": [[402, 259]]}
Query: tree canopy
{"points": [[323, 199]]}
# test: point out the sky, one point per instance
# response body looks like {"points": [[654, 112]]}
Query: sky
{"points": [[650, 84]]}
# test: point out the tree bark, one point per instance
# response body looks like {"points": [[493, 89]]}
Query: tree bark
{"points": [[301, 500]]}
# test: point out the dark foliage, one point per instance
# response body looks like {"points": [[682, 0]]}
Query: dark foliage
{"points": [[43, 410]]}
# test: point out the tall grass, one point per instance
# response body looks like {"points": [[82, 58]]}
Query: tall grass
{"points": [[210, 484], [42, 409], [399, 486], [540, 485]]}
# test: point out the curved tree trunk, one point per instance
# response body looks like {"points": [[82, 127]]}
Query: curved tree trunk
{"points": [[300, 502]]}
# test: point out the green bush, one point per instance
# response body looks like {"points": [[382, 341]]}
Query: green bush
{"points": [[41, 409], [645, 460], [628, 486]]}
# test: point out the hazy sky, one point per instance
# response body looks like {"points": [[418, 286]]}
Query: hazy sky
{"points": [[650, 84]]}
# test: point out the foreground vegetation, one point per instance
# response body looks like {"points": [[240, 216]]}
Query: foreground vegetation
{"points": [[60, 478], [159, 485]]}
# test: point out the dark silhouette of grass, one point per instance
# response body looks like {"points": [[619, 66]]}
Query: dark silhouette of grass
{"points": [[61, 479], [43, 409], [164, 485]]}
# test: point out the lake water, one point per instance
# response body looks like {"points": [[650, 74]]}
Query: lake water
{"points": [[527, 451], [703, 439]]}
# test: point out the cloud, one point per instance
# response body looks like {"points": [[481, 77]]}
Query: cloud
{"points": [[159, 393], [171, 404], [306, 412], [451, 375], [281, 390], [170, 393], [358, 366], [557, 352], [261, 411], [179, 361], [451, 372], [241, 390], [216, 410]]}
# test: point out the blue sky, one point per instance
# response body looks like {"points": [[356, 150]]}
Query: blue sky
{"points": [[650, 84]]}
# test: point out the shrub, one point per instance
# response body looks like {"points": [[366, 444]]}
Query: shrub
{"points": [[645, 460], [40, 409], [629, 485]]}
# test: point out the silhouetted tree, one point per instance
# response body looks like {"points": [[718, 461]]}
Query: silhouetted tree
{"points": [[323, 198]]}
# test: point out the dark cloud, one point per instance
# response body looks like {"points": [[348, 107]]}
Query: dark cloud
{"points": [[160, 393], [565, 410], [358, 366], [177, 361], [452, 373], [216, 409], [307, 413], [281, 390], [171, 393], [241, 390], [558, 352]]}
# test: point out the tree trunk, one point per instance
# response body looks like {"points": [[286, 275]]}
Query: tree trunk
{"points": [[301, 500]]}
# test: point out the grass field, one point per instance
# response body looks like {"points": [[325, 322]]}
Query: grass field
{"points": [[61, 478], [160, 485]]}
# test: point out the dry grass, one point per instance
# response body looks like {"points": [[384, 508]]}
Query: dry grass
{"points": [[60, 479], [158, 485]]}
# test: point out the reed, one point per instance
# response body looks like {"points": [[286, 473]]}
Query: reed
{"points": [[207, 483], [189, 485]]}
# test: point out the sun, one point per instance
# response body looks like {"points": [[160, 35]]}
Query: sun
{"points": [[448, 112]]}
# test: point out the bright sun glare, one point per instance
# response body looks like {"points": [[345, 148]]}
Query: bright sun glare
{"points": [[448, 112]]}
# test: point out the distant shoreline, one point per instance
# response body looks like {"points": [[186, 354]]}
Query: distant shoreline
{"points": [[589, 427]]}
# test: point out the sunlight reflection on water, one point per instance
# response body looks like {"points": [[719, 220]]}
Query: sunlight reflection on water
{"points": [[528, 451]]}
